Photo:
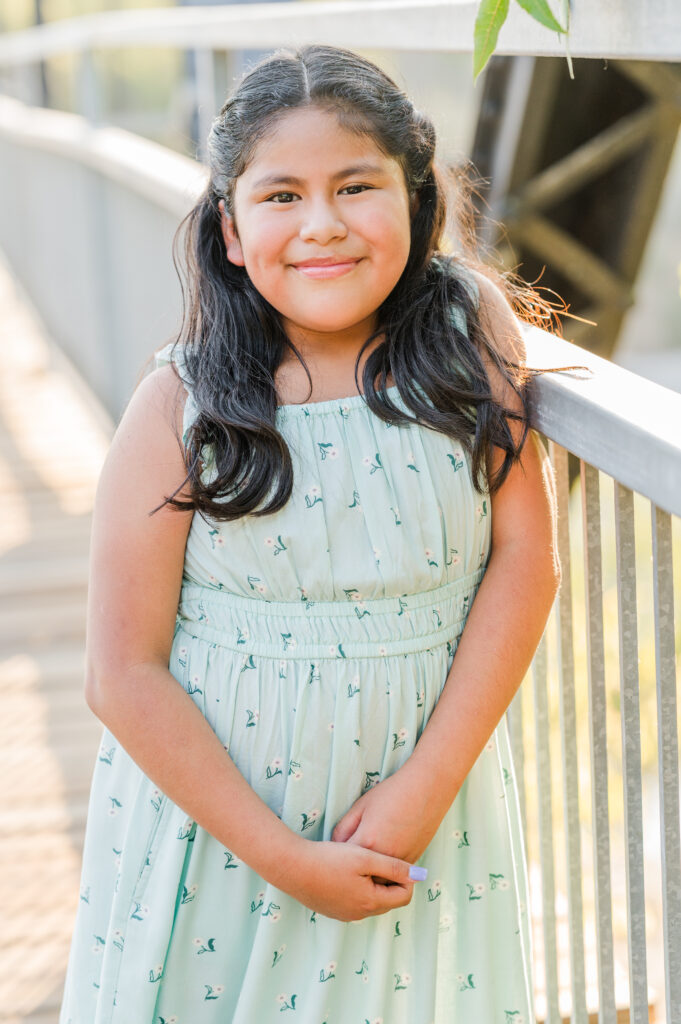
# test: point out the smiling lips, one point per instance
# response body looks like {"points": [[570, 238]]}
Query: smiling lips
{"points": [[330, 266]]}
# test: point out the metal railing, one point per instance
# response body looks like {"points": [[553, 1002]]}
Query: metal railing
{"points": [[623, 433]]}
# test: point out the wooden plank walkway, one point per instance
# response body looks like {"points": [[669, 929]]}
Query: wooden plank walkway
{"points": [[53, 439]]}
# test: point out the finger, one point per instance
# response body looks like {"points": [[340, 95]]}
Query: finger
{"points": [[395, 894], [394, 869], [346, 826]]}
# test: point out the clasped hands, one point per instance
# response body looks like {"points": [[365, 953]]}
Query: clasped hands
{"points": [[397, 817]]}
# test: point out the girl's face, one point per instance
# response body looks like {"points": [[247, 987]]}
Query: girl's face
{"points": [[321, 224]]}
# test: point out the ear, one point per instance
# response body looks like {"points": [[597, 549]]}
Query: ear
{"points": [[231, 239]]}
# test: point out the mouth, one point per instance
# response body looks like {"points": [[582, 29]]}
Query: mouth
{"points": [[332, 266]]}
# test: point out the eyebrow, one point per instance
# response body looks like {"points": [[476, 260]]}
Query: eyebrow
{"points": [[290, 179]]}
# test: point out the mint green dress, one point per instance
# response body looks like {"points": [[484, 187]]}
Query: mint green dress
{"points": [[316, 642]]}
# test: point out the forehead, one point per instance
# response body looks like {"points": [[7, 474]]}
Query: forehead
{"points": [[310, 143]]}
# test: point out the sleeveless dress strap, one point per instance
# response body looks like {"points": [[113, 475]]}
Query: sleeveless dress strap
{"points": [[164, 357]]}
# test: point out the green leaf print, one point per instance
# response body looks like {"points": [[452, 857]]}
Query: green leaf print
{"points": [[187, 830], [430, 557], [370, 779], [328, 973], [397, 933], [188, 894], [284, 1001], [396, 513], [260, 902], [481, 511], [255, 583], [115, 806], [465, 982], [272, 911], [107, 755], [401, 981], [309, 820], [400, 738], [353, 687], [274, 768], [204, 947], [456, 460], [241, 635], [375, 464], [277, 545], [278, 954], [85, 894], [514, 1017], [364, 970], [475, 891], [498, 882], [402, 605], [213, 991], [288, 640], [294, 769], [230, 860], [313, 497], [156, 973], [327, 450], [434, 891], [252, 718], [248, 663], [461, 838], [454, 558], [355, 500], [139, 911]]}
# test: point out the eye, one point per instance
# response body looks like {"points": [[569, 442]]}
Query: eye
{"points": [[361, 187], [281, 197]]}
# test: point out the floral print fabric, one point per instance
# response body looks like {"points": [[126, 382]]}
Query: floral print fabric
{"points": [[316, 642]]}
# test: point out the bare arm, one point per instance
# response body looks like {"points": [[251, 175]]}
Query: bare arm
{"points": [[136, 563], [501, 634]]}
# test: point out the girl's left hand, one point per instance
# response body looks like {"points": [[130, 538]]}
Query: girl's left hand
{"points": [[398, 816]]}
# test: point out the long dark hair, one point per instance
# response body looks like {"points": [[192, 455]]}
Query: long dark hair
{"points": [[233, 340]]}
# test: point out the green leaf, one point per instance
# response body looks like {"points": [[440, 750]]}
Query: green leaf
{"points": [[491, 16], [541, 12]]}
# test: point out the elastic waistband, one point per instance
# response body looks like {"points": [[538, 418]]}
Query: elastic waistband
{"points": [[353, 628]]}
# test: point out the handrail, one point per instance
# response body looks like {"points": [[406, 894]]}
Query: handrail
{"points": [[618, 29]]}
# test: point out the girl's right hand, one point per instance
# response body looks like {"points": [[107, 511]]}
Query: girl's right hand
{"points": [[337, 880]]}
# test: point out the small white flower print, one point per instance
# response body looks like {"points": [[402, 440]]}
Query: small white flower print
{"points": [[382, 650], [377, 554], [309, 819], [198, 942], [261, 588], [489, 745], [331, 726]]}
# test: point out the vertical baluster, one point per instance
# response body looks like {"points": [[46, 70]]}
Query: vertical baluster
{"points": [[515, 730], [548, 885], [598, 742], [631, 753], [668, 758], [568, 733]]}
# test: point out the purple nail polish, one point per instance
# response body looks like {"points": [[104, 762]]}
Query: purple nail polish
{"points": [[418, 874]]}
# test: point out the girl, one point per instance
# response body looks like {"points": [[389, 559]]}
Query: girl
{"points": [[303, 564]]}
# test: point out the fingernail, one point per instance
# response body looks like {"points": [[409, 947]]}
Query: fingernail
{"points": [[418, 874]]}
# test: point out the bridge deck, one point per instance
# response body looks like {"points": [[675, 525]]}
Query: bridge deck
{"points": [[52, 443]]}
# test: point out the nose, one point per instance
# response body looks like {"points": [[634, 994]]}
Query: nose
{"points": [[322, 222]]}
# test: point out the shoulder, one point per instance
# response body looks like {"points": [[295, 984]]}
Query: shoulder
{"points": [[497, 319]]}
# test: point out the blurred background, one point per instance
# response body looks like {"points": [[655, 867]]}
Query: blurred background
{"points": [[578, 189]]}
